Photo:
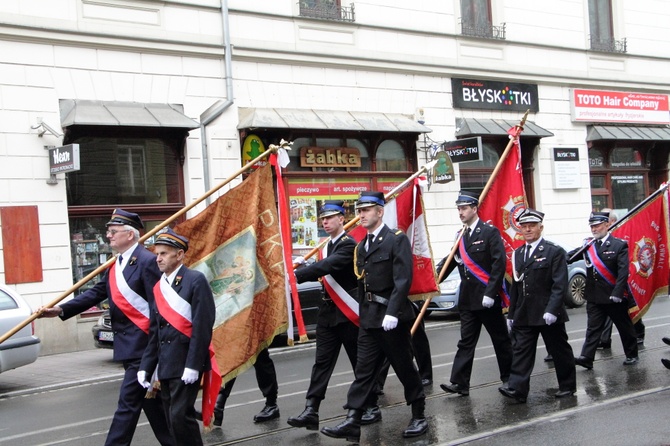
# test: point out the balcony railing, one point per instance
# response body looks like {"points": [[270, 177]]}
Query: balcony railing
{"points": [[327, 10], [486, 31], [608, 45]]}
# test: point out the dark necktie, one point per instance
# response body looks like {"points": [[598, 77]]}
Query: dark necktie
{"points": [[371, 238], [329, 248], [527, 256], [120, 260], [600, 243], [467, 235]]}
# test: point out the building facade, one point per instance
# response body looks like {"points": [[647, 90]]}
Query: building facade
{"points": [[165, 99]]}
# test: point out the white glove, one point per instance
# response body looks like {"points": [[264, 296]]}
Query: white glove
{"points": [[389, 322], [510, 322], [142, 379], [487, 302], [190, 376], [616, 300], [299, 260], [549, 318]]}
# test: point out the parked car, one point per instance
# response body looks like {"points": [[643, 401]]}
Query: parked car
{"points": [[447, 301], [310, 297], [23, 347]]}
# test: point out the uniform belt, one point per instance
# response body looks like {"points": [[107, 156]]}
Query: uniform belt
{"points": [[372, 297]]}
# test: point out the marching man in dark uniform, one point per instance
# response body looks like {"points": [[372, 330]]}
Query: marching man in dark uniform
{"points": [[537, 308], [129, 286], [606, 290], [337, 321], [182, 318], [383, 265], [481, 263]]}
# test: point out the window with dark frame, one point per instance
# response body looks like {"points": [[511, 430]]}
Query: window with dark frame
{"points": [[327, 9], [476, 20], [602, 29]]}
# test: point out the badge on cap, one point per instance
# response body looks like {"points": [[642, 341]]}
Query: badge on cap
{"points": [[170, 238], [530, 216], [467, 198], [597, 218], [370, 198]]}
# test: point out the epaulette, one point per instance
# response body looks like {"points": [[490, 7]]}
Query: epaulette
{"points": [[397, 231], [551, 243], [344, 237]]}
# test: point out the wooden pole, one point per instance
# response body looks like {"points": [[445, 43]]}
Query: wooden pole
{"points": [[517, 131], [273, 148]]}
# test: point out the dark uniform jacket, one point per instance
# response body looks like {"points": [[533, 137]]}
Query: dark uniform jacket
{"points": [[614, 254], [543, 287], [485, 247], [386, 269], [340, 264], [141, 273], [171, 349]]}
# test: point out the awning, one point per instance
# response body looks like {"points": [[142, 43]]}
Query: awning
{"points": [[131, 114], [290, 118], [496, 127], [631, 133]]}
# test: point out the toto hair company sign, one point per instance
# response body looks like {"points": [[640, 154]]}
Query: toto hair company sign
{"points": [[64, 159], [619, 106], [494, 95]]}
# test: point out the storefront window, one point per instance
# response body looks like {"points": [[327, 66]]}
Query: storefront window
{"points": [[390, 156], [475, 174], [625, 157]]}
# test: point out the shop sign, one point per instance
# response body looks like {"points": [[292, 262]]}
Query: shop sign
{"points": [[463, 150], [330, 157], [494, 95], [566, 168], [64, 159], [619, 106], [253, 146], [443, 172]]}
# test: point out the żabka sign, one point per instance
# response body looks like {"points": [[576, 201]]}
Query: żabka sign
{"points": [[619, 106]]}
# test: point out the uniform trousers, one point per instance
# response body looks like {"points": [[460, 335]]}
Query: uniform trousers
{"points": [[329, 341], [131, 403], [471, 327], [374, 345], [266, 377], [179, 399], [524, 344], [597, 317]]}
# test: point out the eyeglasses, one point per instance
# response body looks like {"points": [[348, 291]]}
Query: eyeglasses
{"points": [[113, 232]]}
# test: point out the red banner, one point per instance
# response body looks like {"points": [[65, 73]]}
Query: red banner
{"points": [[504, 202], [646, 232]]}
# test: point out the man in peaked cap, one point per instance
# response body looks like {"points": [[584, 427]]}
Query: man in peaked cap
{"points": [[337, 321], [129, 282], [386, 317], [182, 318], [481, 263], [537, 308], [606, 290]]}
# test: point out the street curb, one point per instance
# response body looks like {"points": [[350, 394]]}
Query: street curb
{"points": [[58, 386]]}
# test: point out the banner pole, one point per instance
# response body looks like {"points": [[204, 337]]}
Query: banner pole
{"points": [[354, 221], [272, 148], [620, 221], [517, 131]]}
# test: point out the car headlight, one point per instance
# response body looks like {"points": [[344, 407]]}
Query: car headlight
{"points": [[450, 286], [101, 321]]}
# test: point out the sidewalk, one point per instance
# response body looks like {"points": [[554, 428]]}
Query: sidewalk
{"points": [[61, 370]]}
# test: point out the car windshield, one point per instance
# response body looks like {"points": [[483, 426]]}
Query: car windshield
{"points": [[6, 302]]}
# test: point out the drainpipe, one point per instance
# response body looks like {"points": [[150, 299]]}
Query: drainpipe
{"points": [[219, 107]]}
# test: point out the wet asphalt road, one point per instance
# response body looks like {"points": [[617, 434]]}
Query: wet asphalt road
{"points": [[614, 404]]}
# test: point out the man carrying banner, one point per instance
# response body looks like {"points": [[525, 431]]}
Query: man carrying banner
{"points": [[606, 290], [383, 265], [337, 321], [536, 308], [182, 318], [128, 285], [481, 263]]}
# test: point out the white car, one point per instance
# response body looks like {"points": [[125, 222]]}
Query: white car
{"points": [[23, 347]]}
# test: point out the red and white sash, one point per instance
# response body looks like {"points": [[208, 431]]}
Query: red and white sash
{"points": [[134, 306], [347, 304], [173, 308]]}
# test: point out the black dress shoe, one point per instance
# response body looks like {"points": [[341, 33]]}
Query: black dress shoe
{"points": [[416, 427], [548, 358], [349, 429], [455, 388], [584, 362], [605, 345], [426, 382], [511, 393], [631, 361], [371, 415], [309, 419], [666, 340], [268, 413], [564, 393], [666, 363]]}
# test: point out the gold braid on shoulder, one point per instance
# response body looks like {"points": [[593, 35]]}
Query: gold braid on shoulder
{"points": [[360, 274]]}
